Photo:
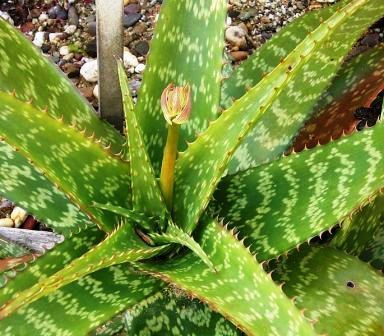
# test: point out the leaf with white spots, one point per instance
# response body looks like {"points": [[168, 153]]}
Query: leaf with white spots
{"points": [[202, 165], [187, 48], [167, 313], [282, 204], [82, 169], [357, 84], [294, 105], [32, 77], [146, 194], [362, 234], [121, 246], [240, 289], [21, 182], [78, 308], [341, 294]]}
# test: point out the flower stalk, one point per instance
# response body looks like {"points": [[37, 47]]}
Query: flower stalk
{"points": [[176, 106]]}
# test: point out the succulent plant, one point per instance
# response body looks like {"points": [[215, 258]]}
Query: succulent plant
{"points": [[181, 226]]}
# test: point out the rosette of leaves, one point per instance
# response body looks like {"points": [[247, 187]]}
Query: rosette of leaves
{"points": [[240, 206]]}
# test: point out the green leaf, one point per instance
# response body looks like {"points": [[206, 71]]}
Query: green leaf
{"points": [[176, 235], [76, 309], [168, 313], [51, 262], [341, 293], [122, 245], [282, 204], [362, 234], [294, 105], [240, 290], [187, 49], [82, 169], [23, 183], [31, 76], [143, 177], [356, 85], [202, 165]]}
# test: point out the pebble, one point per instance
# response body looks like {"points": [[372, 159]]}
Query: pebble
{"points": [[239, 55], [236, 36], [96, 91], [6, 222], [39, 39], [18, 215], [71, 29], [91, 28], [73, 17], [129, 59], [90, 71], [140, 68], [91, 48], [55, 36], [7, 17], [64, 50], [130, 19], [142, 48], [43, 17]]}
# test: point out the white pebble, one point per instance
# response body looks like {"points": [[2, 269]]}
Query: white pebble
{"points": [[39, 39], [140, 68], [18, 215], [7, 17], [54, 36], [96, 91], [64, 50], [90, 71], [43, 17], [6, 222], [70, 29], [236, 36], [129, 59]]}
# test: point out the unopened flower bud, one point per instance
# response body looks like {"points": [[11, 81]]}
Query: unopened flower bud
{"points": [[176, 104]]}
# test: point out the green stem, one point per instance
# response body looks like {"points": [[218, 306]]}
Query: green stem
{"points": [[167, 175]]}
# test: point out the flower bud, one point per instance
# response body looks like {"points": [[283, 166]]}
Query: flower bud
{"points": [[176, 104]]}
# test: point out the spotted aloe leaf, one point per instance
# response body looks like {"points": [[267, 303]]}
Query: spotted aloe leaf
{"points": [[82, 169], [357, 85], [186, 49], [167, 313], [294, 104], [22, 182], [202, 165], [283, 203], [340, 293], [81, 306], [142, 174], [221, 290], [32, 77], [122, 245], [362, 234]]}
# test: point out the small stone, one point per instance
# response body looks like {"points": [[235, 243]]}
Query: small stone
{"points": [[71, 70], [55, 37], [58, 12], [129, 59], [95, 91], [39, 39], [91, 28], [27, 27], [68, 57], [239, 55], [236, 36], [91, 48], [6, 222], [132, 9], [140, 68], [64, 50], [90, 71], [35, 13], [18, 215], [43, 17], [73, 17], [71, 29], [371, 39], [141, 48], [130, 19], [45, 48]]}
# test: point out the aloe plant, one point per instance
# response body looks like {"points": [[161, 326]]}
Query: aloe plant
{"points": [[179, 227]]}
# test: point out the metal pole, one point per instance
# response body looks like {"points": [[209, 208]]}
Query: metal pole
{"points": [[109, 17]]}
